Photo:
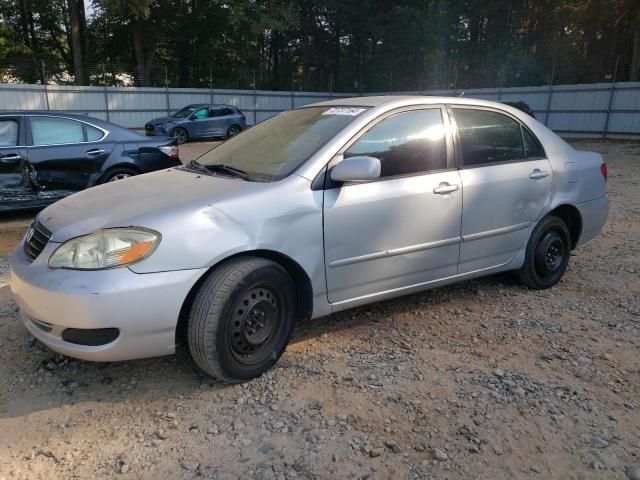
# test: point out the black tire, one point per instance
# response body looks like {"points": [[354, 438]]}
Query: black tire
{"points": [[233, 130], [241, 319], [118, 173], [547, 254], [180, 134]]}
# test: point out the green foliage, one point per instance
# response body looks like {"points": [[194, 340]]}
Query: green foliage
{"points": [[365, 45]]}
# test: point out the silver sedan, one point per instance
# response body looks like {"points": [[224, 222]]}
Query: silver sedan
{"points": [[319, 209]]}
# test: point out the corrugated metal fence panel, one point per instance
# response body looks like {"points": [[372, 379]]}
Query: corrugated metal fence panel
{"points": [[22, 97], [572, 108]]}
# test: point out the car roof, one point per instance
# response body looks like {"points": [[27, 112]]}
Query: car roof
{"points": [[401, 100], [209, 105]]}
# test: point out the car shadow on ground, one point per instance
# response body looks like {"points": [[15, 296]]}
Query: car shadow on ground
{"points": [[54, 381]]}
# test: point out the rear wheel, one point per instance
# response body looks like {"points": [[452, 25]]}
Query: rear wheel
{"points": [[119, 173], [241, 319], [180, 134], [233, 130], [547, 254]]}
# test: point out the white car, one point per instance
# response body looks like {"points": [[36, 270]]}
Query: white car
{"points": [[319, 209]]}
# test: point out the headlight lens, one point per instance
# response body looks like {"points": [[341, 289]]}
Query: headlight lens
{"points": [[109, 248]]}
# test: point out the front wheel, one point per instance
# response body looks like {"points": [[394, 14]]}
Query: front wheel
{"points": [[547, 254], [180, 134], [241, 319]]}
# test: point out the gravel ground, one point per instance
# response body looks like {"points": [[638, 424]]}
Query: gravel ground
{"points": [[483, 380]]}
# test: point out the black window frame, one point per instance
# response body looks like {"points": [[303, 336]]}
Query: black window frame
{"points": [[458, 143], [323, 177]]}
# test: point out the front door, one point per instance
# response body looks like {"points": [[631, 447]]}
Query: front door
{"points": [[402, 230], [506, 179], [200, 123], [15, 182]]}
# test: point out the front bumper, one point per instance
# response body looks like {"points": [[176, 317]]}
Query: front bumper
{"points": [[594, 215], [143, 307], [154, 130]]}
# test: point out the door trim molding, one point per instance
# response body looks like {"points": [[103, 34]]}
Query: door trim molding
{"points": [[395, 251], [494, 233]]}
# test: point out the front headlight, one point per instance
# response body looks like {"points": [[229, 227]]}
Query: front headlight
{"points": [[109, 248]]}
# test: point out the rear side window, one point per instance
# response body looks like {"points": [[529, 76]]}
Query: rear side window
{"points": [[532, 147], [488, 137], [405, 143], [8, 133], [55, 131], [93, 134]]}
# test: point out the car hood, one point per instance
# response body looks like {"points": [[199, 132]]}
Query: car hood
{"points": [[155, 200], [163, 120]]}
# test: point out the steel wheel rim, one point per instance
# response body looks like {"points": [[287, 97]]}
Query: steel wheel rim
{"points": [[233, 131], [550, 253], [119, 176], [256, 321]]}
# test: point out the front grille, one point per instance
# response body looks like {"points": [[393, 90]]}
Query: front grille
{"points": [[149, 128], [37, 238]]}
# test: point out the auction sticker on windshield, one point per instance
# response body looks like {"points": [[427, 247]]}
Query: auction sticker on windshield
{"points": [[344, 111]]}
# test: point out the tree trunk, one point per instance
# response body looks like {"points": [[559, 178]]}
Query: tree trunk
{"points": [[635, 55], [138, 49], [78, 39]]}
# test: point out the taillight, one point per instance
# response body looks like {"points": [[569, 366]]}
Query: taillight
{"points": [[170, 151], [603, 170]]}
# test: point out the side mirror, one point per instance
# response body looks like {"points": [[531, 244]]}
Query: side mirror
{"points": [[356, 169]]}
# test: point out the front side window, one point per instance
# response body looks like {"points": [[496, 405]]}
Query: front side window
{"points": [[488, 137], [272, 149], [8, 133], [405, 143], [185, 112], [202, 113], [55, 131]]}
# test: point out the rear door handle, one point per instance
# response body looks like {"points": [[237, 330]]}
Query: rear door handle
{"points": [[10, 159], [537, 174], [95, 152], [445, 188]]}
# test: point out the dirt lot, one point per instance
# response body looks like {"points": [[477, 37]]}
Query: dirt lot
{"points": [[483, 380]]}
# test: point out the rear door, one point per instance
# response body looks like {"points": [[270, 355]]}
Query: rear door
{"points": [[15, 182], [66, 154], [402, 230], [200, 124], [506, 181], [221, 119]]}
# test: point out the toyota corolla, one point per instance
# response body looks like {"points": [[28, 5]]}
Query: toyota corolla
{"points": [[319, 209]]}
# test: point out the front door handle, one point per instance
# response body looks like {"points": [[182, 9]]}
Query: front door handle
{"points": [[445, 188], [94, 153], [537, 174], [10, 159]]}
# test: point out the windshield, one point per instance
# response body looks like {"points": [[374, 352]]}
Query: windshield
{"points": [[273, 149], [185, 112]]}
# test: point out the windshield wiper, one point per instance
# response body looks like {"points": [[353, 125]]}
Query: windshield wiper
{"points": [[233, 171], [198, 167]]}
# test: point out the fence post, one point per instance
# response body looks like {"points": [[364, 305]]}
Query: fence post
{"points": [[211, 85], [46, 92], [255, 99], [550, 94], [106, 95], [331, 85], [500, 85], [611, 97], [166, 89], [293, 104]]}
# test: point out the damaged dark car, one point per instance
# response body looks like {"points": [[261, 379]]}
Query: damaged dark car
{"points": [[46, 156]]}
